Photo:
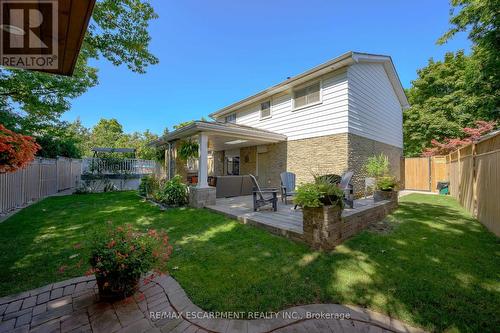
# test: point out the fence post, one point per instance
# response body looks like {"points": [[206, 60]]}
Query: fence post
{"points": [[459, 185], [57, 174], [39, 178], [474, 181]]}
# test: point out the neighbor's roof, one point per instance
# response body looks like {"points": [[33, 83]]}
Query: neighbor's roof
{"points": [[113, 150], [346, 59], [218, 127]]}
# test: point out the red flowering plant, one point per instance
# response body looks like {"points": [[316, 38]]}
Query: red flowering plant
{"points": [[16, 150], [120, 256], [449, 145]]}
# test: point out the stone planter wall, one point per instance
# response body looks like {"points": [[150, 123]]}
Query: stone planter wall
{"points": [[357, 222], [385, 195], [324, 228]]}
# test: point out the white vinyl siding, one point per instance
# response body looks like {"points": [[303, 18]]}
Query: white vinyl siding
{"points": [[326, 118], [374, 109], [359, 100], [265, 110]]}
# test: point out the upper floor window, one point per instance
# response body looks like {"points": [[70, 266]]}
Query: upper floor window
{"points": [[265, 110], [307, 95], [231, 118]]}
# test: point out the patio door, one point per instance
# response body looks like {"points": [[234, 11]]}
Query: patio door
{"points": [[263, 163]]}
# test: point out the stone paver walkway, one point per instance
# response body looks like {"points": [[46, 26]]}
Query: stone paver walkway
{"points": [[163, 306]]}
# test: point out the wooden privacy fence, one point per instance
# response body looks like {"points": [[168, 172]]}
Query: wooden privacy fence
{"points": [[474, 173], [43, 177], [423, 173]]}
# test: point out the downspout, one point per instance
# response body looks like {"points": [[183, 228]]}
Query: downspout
{"points": [[168, 156]]}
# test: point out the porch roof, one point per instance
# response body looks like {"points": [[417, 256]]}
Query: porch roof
{"points": [[225, 135]]}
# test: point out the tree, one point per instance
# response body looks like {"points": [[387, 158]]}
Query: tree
{"points": [[472, 134], [440, 106], [109, 133], [66, 140], [481, 19], [454, 93], [117, 32], [186, 123], [16, 150], [145, 150]]}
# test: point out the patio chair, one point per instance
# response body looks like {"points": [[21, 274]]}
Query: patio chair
{"points": [[287, 186], [369, 184], [263, 196], [346, 186]]}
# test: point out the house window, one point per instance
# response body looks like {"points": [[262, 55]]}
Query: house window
{"points": [[233, 166], [265, 110], [230, 119], [307, 95]]}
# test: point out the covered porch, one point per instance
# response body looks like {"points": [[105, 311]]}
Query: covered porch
{"points": [[226, 151]]}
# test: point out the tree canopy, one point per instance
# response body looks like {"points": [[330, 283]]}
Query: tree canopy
{"points": [[454, 93], [118, 31]]}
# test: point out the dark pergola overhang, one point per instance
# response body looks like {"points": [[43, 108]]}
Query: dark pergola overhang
{"points": [[73, 17], [98, 150]]}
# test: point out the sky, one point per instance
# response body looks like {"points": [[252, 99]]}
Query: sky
{"points": [[214, 53]]}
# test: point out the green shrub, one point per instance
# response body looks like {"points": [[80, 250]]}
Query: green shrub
{"points": [[148, 185], [387, 183], [330, 178], [318, 194], [308, 195], [377, 166], [172, 192]]}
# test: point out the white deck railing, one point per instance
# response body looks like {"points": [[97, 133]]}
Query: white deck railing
{"points": [[115, 165]]}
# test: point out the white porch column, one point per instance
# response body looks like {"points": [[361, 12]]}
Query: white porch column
{"points": [[203, 161]]}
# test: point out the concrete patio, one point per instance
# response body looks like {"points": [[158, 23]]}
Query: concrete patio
{"points": [[287, 221]]}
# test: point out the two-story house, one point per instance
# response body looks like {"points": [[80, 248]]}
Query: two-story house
{"points": [[326, 120]]}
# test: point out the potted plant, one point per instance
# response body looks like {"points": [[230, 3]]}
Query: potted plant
{"points": [[386, 189], [322, 204], [377, 166], [188, 149], [120, 256], [386, 185]]}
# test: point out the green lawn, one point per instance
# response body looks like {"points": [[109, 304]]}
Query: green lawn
{"points": [[438, 269]]}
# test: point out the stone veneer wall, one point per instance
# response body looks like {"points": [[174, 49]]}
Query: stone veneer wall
{"points": [[218, 163], [276, 163], [360, 149], [273, 161], [320, 155], [248, 160]]}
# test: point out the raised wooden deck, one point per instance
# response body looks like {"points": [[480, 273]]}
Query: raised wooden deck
{"points": [[286, 221]]}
